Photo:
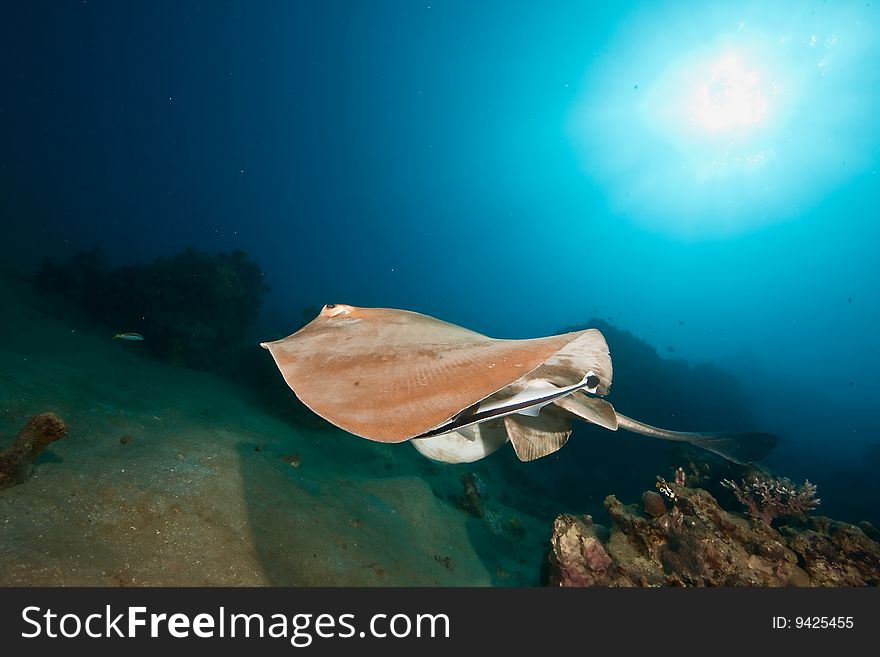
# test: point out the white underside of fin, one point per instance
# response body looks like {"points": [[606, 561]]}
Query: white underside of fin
{"points": [[464, 445]]}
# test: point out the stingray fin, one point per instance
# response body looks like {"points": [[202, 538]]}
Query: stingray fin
{"points": [[589, 352], [591, 409], [534, 437], [464, 445], [470, 432]]}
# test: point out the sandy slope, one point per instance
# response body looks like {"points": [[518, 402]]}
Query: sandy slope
{"points": [[170, 476]]}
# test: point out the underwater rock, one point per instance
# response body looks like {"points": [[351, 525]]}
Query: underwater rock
{"points": [[193, 308], [75, 280], [653, 504], [17, 463], [577, 556], [701, 467], [870, 530], [835, 553], [471, 501], [697, 543]]}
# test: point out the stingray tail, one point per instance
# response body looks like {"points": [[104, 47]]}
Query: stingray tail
{"points": [[740, 448]]}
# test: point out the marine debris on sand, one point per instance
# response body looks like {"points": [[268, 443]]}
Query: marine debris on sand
{"points": [[694, 542], [17, 463]]}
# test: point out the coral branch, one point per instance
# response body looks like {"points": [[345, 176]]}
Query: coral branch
{"points": [[767, 497]]}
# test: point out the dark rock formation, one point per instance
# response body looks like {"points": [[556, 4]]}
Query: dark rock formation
{"points": [[697, 543], [473, 494], [577, 556], [193, 308], [17, 463]]}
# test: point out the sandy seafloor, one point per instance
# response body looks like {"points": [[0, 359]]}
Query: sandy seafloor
{"points": [[170, 476]]}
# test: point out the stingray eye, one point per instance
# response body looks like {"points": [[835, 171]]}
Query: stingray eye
{"points": [[334, 309]]}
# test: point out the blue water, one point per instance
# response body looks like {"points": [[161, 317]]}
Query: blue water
{"points": [[513, 168]]}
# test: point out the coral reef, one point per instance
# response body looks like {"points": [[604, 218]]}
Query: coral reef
{"points": [[193, 308], [17, 463], [697, 543], [768, 497]]}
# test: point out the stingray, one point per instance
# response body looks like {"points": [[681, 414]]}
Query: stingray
{"points": [[395, 375]]}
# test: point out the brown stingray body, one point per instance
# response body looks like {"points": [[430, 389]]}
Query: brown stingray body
{"points": [[392, 375], [395, 375]]}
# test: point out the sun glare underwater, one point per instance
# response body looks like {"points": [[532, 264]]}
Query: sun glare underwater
{"points": [[728, 119]]}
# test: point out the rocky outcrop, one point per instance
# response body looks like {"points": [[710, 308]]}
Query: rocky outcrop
{"points": [[17, 463], [691, 541], [193, 308]]}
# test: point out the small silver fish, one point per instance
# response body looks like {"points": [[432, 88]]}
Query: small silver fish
{"points": [[128, 336]]}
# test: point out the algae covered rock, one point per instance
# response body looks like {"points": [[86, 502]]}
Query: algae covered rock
{"points": [[697, 543], [577, 556], [17, 463]]}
